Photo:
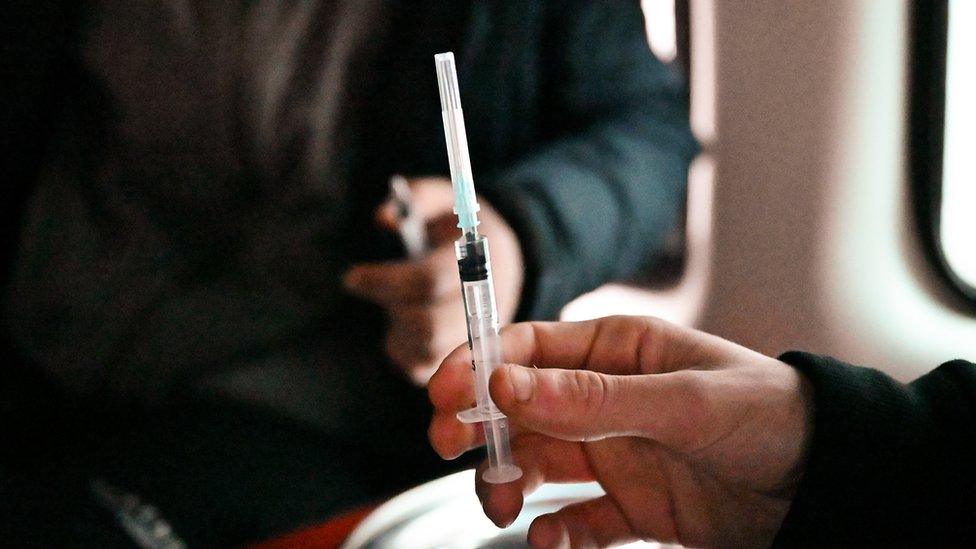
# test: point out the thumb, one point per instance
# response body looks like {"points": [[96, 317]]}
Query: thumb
{"points": [[587, 405]]}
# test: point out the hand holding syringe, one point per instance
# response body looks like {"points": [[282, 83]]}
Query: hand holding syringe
{"points": [[474, 265]]}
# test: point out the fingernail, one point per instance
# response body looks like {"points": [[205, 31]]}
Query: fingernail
{"points": [[351, 279], [522, 383]]}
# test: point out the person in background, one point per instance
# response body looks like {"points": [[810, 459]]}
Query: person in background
{"points": [[702, 442], [205, 302]]}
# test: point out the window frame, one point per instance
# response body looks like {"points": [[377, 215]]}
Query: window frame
{"points": [[926, 139]]}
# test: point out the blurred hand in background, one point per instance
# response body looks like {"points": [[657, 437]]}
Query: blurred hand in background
{"points": [[422, 296]]}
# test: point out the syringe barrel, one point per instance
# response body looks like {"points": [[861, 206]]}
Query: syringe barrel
{"points": [[474, 263]]}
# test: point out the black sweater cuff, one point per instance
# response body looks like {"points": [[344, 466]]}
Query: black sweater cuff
{"points": [[888, 464]]}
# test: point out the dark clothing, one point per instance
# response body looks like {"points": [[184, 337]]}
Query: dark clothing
{"points": [[186, 182], [216, 172], [223, 474], [890, 465]]}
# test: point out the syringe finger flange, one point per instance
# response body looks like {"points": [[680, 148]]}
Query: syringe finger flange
{"points": [[477, 414]]}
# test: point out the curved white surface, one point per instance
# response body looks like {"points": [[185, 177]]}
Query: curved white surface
{"points": [[446, 514]]}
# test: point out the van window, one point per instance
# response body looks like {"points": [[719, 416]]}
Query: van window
{"points": [[942, 139], [958, 227]]}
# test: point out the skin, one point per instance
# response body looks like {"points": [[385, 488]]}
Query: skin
{"points": [[422, 297], [695, 440]]}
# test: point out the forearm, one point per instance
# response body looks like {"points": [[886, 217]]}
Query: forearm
{"points": [[594, 206], [602, 194]]}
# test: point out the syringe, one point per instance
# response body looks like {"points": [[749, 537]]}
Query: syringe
{"points": [[478, 292]]}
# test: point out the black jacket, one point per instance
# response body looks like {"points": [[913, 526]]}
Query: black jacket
{"points": [[890, 465]]}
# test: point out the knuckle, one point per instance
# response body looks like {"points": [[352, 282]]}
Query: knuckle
{"points": [[652, 329], [652, 322], [589, 389]]}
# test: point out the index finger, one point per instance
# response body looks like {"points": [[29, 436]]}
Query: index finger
{"points": [[617, 345], [406, 281]]}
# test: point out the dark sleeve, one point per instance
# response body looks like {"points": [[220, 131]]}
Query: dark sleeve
{"points": [[35, 68], [603, 195], [889, 464]]}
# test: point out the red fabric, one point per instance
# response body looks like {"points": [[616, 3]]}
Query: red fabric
{"points": [[328, 535]]}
